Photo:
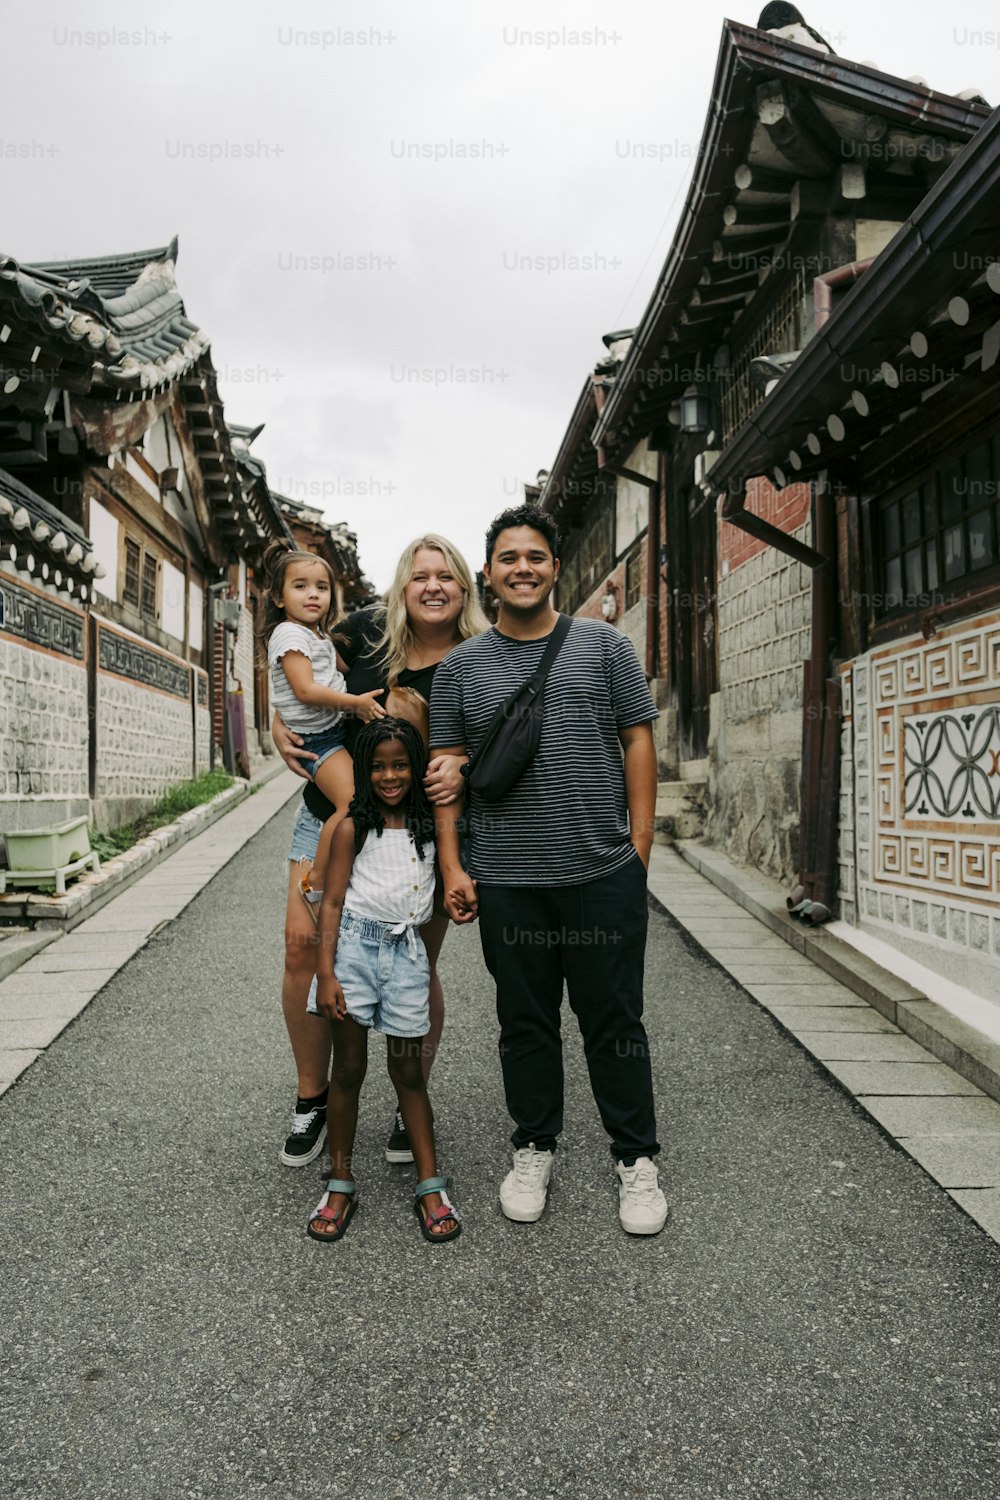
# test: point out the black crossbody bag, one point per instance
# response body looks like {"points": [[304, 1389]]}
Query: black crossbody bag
{"points": [[512, 735]]}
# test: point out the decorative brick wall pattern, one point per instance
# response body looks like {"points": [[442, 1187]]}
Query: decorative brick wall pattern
{"points": [[202, 723], [43, 735], [853, 795], [144, 733], [43, 708], [926, 867], [764, 610]]}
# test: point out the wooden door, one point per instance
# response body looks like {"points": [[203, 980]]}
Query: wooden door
{"points": [[693, 634]]}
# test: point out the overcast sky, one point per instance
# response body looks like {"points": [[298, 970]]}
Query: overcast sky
{"points": [[405, 228]]}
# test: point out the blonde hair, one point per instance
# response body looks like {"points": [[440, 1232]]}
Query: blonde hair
{"points": [[396, 637]]}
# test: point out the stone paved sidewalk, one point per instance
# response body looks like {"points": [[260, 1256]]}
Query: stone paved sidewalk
{"points": [[937, 1116], [40, 999]]}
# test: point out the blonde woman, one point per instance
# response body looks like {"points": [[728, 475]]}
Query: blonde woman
{"points": [[430, 607]]}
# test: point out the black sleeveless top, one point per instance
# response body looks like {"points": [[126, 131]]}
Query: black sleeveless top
{"points": [[366, 671]]}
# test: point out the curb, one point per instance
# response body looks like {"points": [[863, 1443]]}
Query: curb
{"points": [[971, 1054], [56, 916]]}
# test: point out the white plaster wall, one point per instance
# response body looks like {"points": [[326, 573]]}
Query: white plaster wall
{"points": [[632, 499], [103, 530], [196, 616], [172, 613]]}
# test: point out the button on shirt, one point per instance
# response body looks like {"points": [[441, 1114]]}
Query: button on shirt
{"points": [[390, 882]]}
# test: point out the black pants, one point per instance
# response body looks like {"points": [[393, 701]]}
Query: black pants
{"points": [[593, 936]]}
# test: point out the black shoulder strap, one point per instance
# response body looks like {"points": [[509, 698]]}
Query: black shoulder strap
{"points": [[533, 686], [550, 653]]}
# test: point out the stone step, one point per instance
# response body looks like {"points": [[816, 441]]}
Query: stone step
{"points": [[680, 810]]}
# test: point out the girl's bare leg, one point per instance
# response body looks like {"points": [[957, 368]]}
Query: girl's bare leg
{"points": [[350, 1063], [403, 1056], [433, 933], [309, 1035], [335, 779]]}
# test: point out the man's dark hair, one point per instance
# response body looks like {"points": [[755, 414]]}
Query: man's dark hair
{"points": [[523, 515]]}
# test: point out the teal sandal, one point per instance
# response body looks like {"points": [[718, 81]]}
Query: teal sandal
{"points": [[339, 1218], [435, 1215]]}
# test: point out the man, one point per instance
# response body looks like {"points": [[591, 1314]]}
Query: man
{"points": [[557, 872]]}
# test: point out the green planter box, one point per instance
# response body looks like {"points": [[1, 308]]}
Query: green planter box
{"points": [[39, 855]]}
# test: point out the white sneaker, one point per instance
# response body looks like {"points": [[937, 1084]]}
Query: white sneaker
{"points": [[523, 1190], [642, 1207]]}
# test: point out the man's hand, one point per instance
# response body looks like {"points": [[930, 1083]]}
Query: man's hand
{"points": [[444, 781], [461, 898], [642, 843], [288, 745], [330, 1000]]}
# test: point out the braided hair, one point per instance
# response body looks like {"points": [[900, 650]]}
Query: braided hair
{"points": [[364, 808]]}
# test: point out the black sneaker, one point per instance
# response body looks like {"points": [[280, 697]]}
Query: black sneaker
{"points": [[305, 1140], [397, 1147]]}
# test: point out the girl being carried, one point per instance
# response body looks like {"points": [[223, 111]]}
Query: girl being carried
{"points": [[307, 682]]}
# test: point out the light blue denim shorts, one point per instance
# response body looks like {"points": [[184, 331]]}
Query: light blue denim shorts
{"points": [[385, 976], [305, 835], [323, 744]]}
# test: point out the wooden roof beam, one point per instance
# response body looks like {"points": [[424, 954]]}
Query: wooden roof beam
{"points": [[781, 111]]}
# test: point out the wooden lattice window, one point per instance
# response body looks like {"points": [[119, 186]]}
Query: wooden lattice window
{"points": [[943, 532], [633, 578], [780, 331], [133, 564], [587, 555], [148, 604]]}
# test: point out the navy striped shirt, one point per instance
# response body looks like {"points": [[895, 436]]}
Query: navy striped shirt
{"points": [[565, 821]]}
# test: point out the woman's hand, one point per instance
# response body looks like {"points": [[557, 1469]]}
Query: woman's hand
{"points": [[287, 745], [444, 781], [330, 1000], [364, 707]]}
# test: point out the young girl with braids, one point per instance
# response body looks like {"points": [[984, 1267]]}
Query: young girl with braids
{"points": [[308, 688], [372, 969]]}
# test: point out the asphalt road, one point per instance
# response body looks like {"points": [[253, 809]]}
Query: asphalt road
{"points": [[818, 1319]]}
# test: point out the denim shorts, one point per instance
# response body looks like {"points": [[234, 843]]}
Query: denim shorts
{"points": [[385, 976], [305, 835], [323, 744]]}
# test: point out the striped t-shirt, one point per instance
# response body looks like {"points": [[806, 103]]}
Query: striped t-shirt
{"points": [[303, 718], [565, 821]]}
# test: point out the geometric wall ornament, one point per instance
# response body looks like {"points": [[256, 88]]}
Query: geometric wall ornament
{"points": [[951, 765]]}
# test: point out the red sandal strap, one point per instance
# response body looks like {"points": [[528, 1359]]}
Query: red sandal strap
{"points": [[437, 1215]]}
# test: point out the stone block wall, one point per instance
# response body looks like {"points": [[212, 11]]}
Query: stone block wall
{"points": [[202, 724], [764, 612], [242, 667], [144, 725], [43, 708]]}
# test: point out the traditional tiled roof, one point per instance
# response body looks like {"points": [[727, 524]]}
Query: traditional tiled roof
{"points": [[36, 537], [337, 542], [264, 510], [116, 323], [894, 364], [791, 135]]}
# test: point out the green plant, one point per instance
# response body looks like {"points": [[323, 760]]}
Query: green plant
{"points": [[179, 799]]}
